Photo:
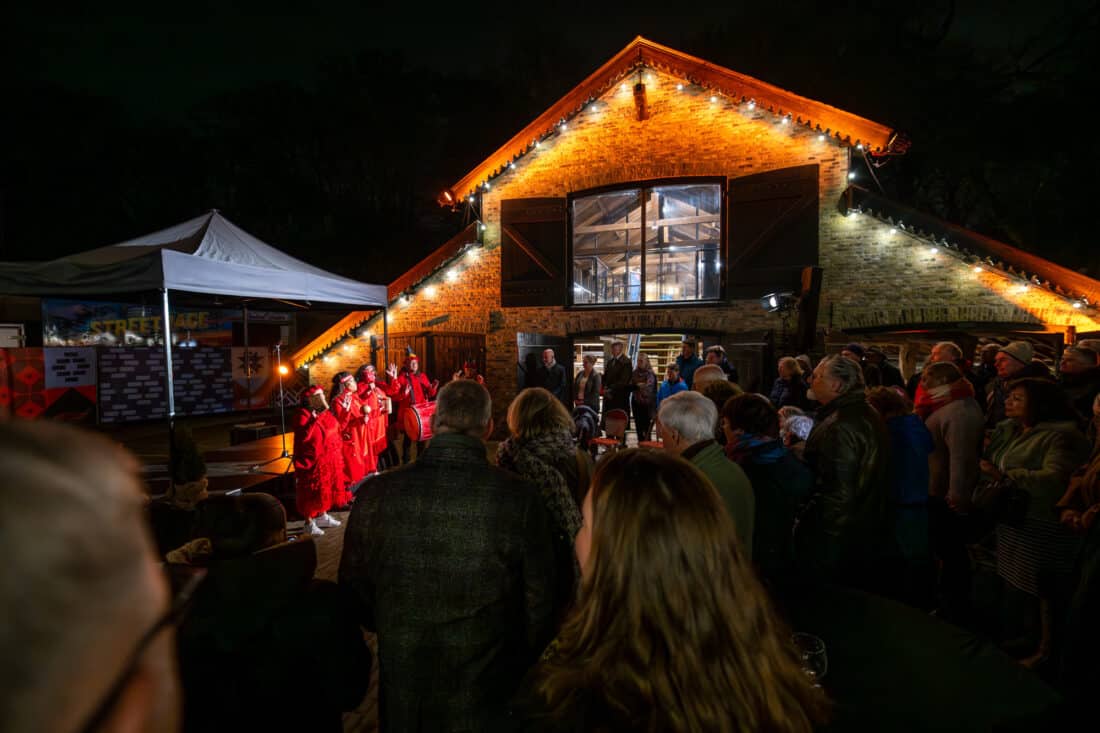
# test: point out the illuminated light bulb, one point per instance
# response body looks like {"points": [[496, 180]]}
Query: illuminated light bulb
{"points": [[713, 99], [481, 227], [389, 318], [977, 268], [622, 87], [347, 347], [472, 253], [859, 146], [452, 275], [821, 137], [564, 126], [752, 104], [430, 291], [773, 302], [851, 175], [1077, 304], [679, 87], [538, 143], [893, 230], [933, 250], [283, 370], [486, 185], [787, 120], [471, 198], [512, 166]]}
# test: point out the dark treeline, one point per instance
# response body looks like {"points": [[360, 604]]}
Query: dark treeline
{"points": [[343, 169]]}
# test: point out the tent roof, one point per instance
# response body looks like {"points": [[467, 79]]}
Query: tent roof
{"points": [[208, 254]]}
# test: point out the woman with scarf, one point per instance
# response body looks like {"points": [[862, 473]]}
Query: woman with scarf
{"points": [[945, 399], [540, 448], [780, 482], [644, 397]]}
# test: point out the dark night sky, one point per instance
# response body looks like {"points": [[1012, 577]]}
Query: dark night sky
{"points": [[331, 130]]}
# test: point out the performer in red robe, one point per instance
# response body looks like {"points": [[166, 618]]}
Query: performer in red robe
{"points": [[318, 465], [375, 403], [409, 387], [469, 371], [348, 412]]}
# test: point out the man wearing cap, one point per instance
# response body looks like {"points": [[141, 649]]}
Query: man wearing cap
{"points": [[318, 460], [891, 375], [1012, 362], [409, 387], [687, 362]]}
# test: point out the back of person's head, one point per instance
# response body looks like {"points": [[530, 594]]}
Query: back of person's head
{"points": [[753, 414], [791, 364], [1092, 345], [80, 587], [706, 374], [463, 406], [948, 351], [941, 373], [889, 402], [672, 631], [1046, 401], [536, 412], [720, 392], [690, 414]]}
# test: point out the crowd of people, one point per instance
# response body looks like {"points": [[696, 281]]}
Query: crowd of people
{"points": [[542, 587]]}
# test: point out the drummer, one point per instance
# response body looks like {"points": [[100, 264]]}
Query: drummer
{"points": [[409, 387]]}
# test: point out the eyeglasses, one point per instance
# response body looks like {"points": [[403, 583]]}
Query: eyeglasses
{"points": [[181, 604]]}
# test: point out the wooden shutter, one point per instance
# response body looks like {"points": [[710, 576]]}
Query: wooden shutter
{"points": [[533, 267], [772, 223]]}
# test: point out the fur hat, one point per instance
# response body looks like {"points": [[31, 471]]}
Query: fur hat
{"points": [[1021, 351]]}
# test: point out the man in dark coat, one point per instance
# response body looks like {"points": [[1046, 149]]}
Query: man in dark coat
{"points": [[846, 531], [891, 375], [1080, 379], [617, 380], [553, 377], [452, 563], [717, 355], [687, 362]]}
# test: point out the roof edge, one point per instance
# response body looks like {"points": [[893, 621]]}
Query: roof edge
{"points": [[845, 127]]}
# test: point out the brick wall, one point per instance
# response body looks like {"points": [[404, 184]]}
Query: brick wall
{"points": [[870, 276]]}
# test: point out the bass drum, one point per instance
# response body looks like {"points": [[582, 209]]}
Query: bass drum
{"points": [[418, 421]]}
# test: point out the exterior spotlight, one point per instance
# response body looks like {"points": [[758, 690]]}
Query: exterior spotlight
{"points": [[283, 370], [851, 175], [778, 302]]}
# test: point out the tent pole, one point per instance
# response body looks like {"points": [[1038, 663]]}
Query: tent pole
{"points": [[171, 400], [385, 338], [247, 358]]}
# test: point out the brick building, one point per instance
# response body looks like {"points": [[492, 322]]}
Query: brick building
{"points": [[666, 196]]}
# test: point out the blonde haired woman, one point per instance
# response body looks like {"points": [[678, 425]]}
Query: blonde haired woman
{"points": [[672, 631], [789, 389]]}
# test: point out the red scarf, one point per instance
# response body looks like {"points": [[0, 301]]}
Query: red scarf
{"points": [[927, 403]]}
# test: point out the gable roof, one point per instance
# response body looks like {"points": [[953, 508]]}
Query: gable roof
{"points": [[974, 247], [844, 126]]}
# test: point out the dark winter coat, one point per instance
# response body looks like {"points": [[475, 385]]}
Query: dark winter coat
{"points": [[451, 562], [789, 392]]}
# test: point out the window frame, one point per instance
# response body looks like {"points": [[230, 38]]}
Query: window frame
{"points": [[723, 186]]}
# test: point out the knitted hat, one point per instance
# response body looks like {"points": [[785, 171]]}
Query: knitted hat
{"points": [[856, 349], [1021, 351]]}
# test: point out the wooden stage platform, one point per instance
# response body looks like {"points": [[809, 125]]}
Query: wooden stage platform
{"points": [[232, 468]]}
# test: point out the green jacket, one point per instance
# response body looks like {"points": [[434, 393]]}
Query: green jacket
{"points": [[1038, 461], [732, 484]]}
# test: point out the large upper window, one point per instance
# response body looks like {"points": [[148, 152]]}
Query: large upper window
{"points": [[645, 245]]}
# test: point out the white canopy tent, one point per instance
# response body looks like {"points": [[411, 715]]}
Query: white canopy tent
{"points": [[207, 255]]}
